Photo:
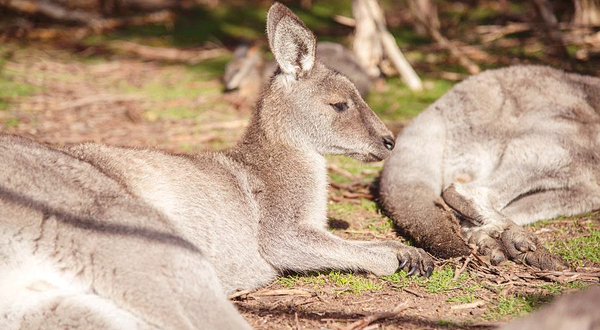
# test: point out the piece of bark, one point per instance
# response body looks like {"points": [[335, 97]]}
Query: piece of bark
{"points": [[166, 54]]}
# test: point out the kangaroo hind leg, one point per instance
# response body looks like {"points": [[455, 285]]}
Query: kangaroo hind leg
{"points": [[530, 165]]}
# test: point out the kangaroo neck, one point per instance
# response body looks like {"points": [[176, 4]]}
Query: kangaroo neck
{"points": [[262, 152], [293, 179]]}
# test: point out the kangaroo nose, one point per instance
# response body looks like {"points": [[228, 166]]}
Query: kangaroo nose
{"points": [[388, 142]]}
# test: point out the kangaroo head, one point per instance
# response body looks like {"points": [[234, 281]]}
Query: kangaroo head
{"points": [[312, 106]]}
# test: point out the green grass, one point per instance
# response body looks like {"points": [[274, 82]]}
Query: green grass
{"points": [[379, 225], [515, 306], [442, 281], [343, 282], [355, 167], [400, 279], [399, 102], [344, 209], [289, 281], [10, 88], [352, 283], [173, 94], [11, 122], [579, 250], [558, 288]]}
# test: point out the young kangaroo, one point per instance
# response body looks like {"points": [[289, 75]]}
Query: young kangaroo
{"points": [[504, 148], [100, 237], [248, 71]]}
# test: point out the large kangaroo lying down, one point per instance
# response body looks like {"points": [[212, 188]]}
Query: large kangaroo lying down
{"points": [[504, 148], [100, 237]]}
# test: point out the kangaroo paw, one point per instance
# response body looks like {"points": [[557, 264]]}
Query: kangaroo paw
{"points": [[416, 261], [488, 246], [522, 246], [461, 204]]}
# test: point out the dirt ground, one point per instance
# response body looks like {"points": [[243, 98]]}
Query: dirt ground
{"points": [[62, 98]]}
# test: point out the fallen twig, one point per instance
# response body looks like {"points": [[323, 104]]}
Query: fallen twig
{"points": [[336, 169], [352, 186], [99, 98], [343, 20], [89, 22], [357, 195], [239, 294], [474, 304], [463, 267], [413, 292], [224, 125], [167, 54], [364, 322], [284, 292], [494, 32], [343, 199]]}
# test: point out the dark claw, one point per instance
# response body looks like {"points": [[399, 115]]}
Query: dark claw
{"points": [[412, 270], [403, 263], [428, 271]]}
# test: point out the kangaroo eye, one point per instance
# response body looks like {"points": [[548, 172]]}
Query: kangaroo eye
{"points": [[340, 107]]}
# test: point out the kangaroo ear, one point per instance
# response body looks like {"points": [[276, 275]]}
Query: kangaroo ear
{"points": [[292, 43]]}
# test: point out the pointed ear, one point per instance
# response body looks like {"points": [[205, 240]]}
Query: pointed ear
{"points": [[292, 43]]}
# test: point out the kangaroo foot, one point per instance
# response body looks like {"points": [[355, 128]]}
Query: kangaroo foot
{"points": [[487, 246], [522, 246], [415, 261]]}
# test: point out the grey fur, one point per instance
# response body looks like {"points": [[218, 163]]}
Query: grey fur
{"points": [[574, 311], [94, 236], [248, 71], [504, 148]]}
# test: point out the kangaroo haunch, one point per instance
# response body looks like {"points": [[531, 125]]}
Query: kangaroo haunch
{"points": [[101, 237]]}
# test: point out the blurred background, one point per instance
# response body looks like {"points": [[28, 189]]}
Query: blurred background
{"points": [[151, 72], [183, 76]]}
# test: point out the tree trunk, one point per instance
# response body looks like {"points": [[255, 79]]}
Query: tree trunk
{"points": [[373, 42], [424, 11], [557, 44], [587, 13]]}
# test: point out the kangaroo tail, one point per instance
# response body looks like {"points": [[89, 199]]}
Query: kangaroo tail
{"points": [[411, 184]]}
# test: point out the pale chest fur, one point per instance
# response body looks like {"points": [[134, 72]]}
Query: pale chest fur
{"points": [[317, 205]]}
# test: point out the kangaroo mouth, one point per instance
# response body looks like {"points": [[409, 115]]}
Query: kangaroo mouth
{"points": [[368, 157]]}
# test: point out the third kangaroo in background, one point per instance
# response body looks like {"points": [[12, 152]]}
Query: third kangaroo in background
{"points": [[502, 149], [101, 237], [248, 72]]}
